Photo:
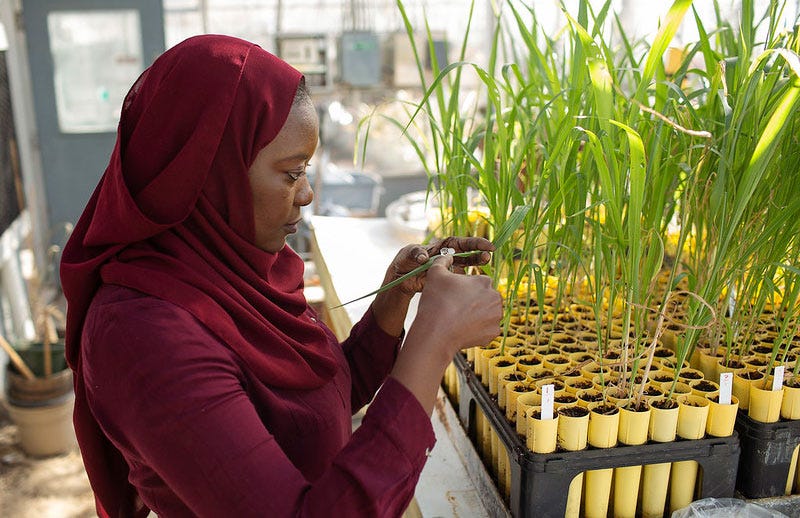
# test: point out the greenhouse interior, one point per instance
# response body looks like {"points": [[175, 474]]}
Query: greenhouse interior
{"points": [[453, 258]]}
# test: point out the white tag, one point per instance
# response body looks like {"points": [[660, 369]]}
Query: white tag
{"points": [[725, 388], [777, 378], [548, 398]]}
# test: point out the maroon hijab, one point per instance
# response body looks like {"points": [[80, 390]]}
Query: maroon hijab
{"points": [[172, 217]]}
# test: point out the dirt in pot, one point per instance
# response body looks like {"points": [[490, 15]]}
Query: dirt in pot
{"points": [[557, 384], [662, 377], [565, 399], [617, 392], [733, 364], [762, 349], [757, 362], [549, 350], [651, 391], [581, 384], [704, 386], [664, 404], [583, 358], [572, 373], [750, 375], [566, 318], [573, 411], [662, 352], [592, 397], [523, 387], [641, 406], [606, 409], [565, 341], [636, 379], [530, 331], [514, 376], [793, 382], [541, 374], [530, 361]]}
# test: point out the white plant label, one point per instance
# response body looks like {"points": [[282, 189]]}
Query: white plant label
{"points": [[725, 388], [777, 378], [548, 399]]}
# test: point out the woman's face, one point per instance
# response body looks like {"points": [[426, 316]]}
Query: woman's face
{"points": [[278, 180]]}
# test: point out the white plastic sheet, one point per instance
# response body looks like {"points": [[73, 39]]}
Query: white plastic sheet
{"points": [[725, 508]]}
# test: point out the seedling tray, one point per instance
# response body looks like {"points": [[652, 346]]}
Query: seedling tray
{"points": [[540, 482], [766, 456]]}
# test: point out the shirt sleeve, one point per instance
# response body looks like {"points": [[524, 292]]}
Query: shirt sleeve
{"points": [[371, 353], [396, 428], [178, 407]]}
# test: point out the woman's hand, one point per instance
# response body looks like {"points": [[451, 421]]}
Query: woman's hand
{"points": [[458, 311], [412, 256], [390, 307], [455, 312]]}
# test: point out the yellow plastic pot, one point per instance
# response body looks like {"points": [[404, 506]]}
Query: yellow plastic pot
{"points": [[655, 477], [721, 418], [765, 404], [602, 433], [692, 420], [742, 379], [790, 404], [633, 427], [497, 365], [573, 430], [542, 433]]}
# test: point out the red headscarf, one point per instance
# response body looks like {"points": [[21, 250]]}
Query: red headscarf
{"points": [[173, 217]]}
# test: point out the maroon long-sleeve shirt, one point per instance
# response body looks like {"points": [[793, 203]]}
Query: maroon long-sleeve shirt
{"points": [[203, 437]]}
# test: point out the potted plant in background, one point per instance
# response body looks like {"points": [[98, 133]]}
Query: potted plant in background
{"points": [[38, 389]]}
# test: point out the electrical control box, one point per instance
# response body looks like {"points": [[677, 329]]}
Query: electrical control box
{"points": [[359, 59]]}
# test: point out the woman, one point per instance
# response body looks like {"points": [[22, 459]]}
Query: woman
{"points": [[204, 383]]}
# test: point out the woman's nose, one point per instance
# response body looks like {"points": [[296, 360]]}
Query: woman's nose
{"points": [[304, 194]]}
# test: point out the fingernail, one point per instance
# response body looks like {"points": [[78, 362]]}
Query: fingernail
{"points": [[421, 258]]}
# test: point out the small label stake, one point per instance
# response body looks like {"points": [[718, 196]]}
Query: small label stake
{"points": [[777, 378], [548, 399], [725, 388]]}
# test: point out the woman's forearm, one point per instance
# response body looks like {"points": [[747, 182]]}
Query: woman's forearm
{"points": [[420, 366], [390, 309]]}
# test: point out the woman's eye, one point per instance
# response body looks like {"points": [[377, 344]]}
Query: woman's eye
{"points": [[295, 175]]}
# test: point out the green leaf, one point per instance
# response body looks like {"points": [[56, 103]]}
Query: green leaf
{"points": [[416, 271], [511, 225]]}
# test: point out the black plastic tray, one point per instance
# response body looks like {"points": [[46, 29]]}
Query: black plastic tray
{"points": [[766, 457], [540, 481]]}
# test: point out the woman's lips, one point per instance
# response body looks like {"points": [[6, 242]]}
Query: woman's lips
{"points": [[291, 228]]}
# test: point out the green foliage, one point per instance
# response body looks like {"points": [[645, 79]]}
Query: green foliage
{"points": [[628, 170]]}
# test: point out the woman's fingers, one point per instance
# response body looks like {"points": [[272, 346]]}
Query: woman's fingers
{"points": [[467, 309], [465, 244], [442, 262]]}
